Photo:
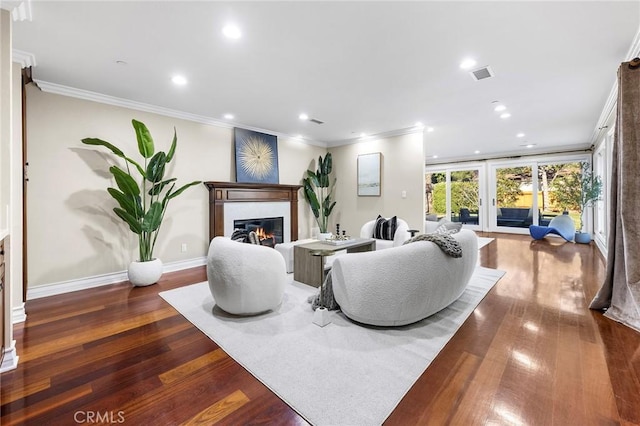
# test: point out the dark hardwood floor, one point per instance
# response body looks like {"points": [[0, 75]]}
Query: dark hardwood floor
{"points": [[532, 353]]}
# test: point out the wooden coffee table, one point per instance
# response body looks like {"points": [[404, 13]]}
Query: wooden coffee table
{"points": [[308, 259]]}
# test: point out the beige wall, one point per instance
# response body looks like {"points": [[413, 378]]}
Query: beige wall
{"points": [[5, 163], [5, 118], [402, 170], [72, 231], [16, 187]]}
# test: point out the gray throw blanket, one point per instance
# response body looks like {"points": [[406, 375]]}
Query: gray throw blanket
{"points": [[324, 298], [446, 242]]}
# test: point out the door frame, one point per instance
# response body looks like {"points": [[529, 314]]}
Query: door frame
{"points": [[482, 190], [534, 162]]}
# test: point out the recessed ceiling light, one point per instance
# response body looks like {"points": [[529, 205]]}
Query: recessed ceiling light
{"points": [[303, 116], [530, 145], [419, 124], [229, 116], [520, 135], [231, 31], [467, 63], [476, 152], [435, 156], [500, 108], [505, 115], [429, 129], [179, 80], [363, 135]]}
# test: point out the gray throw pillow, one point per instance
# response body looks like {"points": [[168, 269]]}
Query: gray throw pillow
{"points": [[447, 227]]}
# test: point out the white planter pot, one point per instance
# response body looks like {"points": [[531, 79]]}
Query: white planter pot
{"points": [[145, 273], [324, 236]]}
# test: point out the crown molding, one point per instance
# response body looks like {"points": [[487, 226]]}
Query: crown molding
{"points": [[25, 59], [20, 9], [610, 104], [382, 135], [87, 95], [555, 151]]}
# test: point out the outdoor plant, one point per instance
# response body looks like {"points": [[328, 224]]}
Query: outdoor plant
{"points": [[591, 189], [143, 199], [318, 191], [578, 190]]}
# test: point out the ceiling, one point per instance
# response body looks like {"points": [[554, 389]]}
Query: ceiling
{"points": [[360, 67]]}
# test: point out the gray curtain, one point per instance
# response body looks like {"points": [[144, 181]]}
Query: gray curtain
{"points": [[620, 293]]}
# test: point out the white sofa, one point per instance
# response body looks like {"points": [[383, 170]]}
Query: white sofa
{"points": [[430, 226], [401, 235], [402, 285], [245, 279], [286, 250]]}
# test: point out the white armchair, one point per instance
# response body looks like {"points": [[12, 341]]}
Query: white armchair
{"points": [[245, 279], [401, 235]]}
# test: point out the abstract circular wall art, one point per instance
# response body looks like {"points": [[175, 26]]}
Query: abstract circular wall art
{"points": [[256, 157]]}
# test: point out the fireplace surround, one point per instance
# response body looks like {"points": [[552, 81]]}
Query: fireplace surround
{"points": [[227, 193]]}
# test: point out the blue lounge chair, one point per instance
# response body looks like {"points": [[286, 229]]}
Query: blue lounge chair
{"points": [[560, 225]]}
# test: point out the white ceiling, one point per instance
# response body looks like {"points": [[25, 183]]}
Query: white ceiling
{"points": [[370, 67]]}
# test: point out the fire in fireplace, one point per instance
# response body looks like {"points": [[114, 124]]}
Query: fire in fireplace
{"points": [[268, 229]]}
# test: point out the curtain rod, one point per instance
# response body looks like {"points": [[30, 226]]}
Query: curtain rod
{"points": [[634, 63]]}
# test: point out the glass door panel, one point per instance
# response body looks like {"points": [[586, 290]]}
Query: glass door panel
{"points": [[559, 192], [465, 197], [435, 195], [514, 197]]}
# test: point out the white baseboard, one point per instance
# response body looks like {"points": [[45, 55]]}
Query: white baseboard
{"points": [[18, 314], [10, 361], [62, 287]]}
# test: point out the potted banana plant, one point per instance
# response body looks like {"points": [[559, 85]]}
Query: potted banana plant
{"points": [[143, 194], [318, 191]]}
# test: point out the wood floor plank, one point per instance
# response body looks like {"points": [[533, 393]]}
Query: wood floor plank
{"points": [[211, 415], [192, 366], [21, 389], [88, 334], [27, 413], [530, 354], [446, 401]]}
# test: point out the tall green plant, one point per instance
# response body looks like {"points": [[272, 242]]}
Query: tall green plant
{"points": [[143, 205], [591, 189], [318, 186]]}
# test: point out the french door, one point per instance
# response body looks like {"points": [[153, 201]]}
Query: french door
{"points": [[533, 192], [456, 193]]}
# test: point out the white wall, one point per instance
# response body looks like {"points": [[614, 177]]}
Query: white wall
{"points": [[402, 170], [72, 231]]}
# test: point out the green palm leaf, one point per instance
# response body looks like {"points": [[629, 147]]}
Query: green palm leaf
{"points": [[145, 141]]}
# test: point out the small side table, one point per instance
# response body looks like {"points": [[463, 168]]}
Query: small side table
{"points": [[413, 232]]}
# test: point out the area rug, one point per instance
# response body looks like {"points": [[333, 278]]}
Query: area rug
{"points": [[340, 374], [483, 241]]}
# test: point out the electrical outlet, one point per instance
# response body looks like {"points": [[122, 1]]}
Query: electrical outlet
{"points": [[183, 248]]}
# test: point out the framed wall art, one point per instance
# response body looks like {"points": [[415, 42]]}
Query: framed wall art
{"points": [[369, 166], [256, 156]]}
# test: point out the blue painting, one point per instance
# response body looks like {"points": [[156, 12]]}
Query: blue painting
{"points": [[256, 157]]}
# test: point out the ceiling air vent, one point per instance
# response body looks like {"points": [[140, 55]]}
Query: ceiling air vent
{"points": [[314, 120], [481, 73]]}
